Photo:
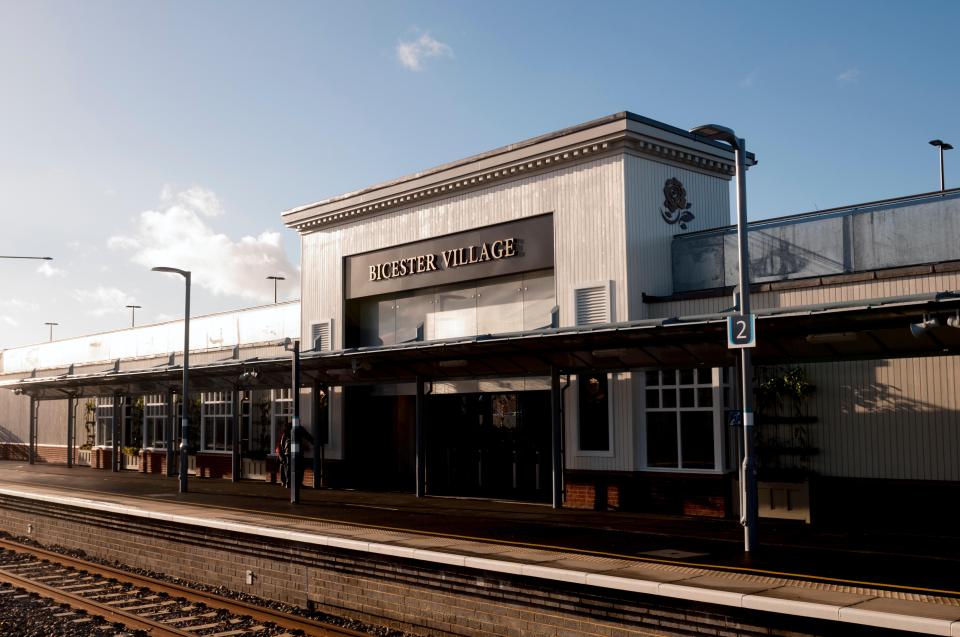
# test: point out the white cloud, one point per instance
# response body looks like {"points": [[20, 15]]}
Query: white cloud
{"points": [[180, 235], [749, 79], [103, 301], [50, 271], [18, 304], [848, 76], [411, 54], [9, 321]]}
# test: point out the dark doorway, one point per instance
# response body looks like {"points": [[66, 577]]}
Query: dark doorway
{"points": [[379, 440], [489, 445]]}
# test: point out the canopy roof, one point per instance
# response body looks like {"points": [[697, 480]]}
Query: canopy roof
{"points": [[853, 330]]}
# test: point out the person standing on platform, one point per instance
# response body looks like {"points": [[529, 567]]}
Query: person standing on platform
{"points": [[283, 456], [306, 439]]}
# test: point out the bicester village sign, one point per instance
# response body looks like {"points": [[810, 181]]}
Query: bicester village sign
{"points": [[453, 258], [505, 248]]}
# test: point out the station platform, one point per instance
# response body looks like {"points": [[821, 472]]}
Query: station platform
{"points": [[895, 582]]}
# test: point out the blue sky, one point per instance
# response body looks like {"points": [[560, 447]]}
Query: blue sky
{"points": [[122, 123]]}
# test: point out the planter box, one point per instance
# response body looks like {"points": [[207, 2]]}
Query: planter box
{"points": [[784, 500]]}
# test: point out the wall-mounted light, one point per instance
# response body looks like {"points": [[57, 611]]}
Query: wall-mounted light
{"points": [[833, 337], [457, 362], [610, 353], [921, 328]]}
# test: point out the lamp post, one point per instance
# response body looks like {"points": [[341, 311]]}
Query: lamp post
{"points": [[275, 279], [51, 329], [133, 314], [185, 396], [293, 464], [748, 470], [942, 145]]}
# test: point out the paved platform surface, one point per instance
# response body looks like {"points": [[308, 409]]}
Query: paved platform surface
{"points": [[901, 582]]}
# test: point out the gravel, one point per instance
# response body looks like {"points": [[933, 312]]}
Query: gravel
{"points": [[335, 620], [30, 615]]}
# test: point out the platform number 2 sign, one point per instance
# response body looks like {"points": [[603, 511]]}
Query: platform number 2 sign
{"points": [[741, 331]]}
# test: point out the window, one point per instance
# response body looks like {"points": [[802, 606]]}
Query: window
{"points": [[491, 306], [154, 420], [104, 436], [683, 414], [216, 422], [594, 412], [281, 414]]}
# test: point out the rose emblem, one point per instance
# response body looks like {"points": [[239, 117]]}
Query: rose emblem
{"points": [[677, 207]]}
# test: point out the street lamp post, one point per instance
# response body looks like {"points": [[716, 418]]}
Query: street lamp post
{"points": [[51, 329], [748, 470], [942, 145], [275, 279], [185, 396], [133, 314]]}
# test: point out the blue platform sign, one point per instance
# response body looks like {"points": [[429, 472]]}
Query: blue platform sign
{"points": [[741, 331]]}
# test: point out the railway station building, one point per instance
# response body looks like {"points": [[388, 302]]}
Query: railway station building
{"points": [[546, 322]]}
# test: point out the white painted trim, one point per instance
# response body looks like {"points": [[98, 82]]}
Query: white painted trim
{"points": [[610, 452]]}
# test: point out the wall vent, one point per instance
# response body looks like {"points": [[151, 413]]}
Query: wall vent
{"points": [[592, 304], [321, 336]]}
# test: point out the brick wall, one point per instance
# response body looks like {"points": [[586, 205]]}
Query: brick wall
{"points": [[45, 453], [404, 594]]}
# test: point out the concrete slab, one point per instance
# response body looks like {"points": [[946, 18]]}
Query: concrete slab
{"points": [[803, 601], [901, 614]]}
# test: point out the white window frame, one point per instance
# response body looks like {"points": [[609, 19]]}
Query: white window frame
{"points": [[221, 403], [612, 379], [154, 401], [281, 406], [717, 387], [103, 403]]}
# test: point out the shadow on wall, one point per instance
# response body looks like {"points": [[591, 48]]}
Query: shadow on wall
{"points": [[774, 257], [12, 447]]}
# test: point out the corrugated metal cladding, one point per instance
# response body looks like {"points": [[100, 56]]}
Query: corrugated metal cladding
{"points": [[587, 205], [649, 237], [898, 286], [607, 228], [896, 419]]}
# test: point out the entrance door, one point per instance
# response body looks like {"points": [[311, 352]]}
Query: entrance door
{"points": [[379, 440], [489, 445]]}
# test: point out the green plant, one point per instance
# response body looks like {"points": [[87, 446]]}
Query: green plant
{"points": [[784, 386]]}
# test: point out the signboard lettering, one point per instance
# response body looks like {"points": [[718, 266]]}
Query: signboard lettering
{"points": [[505, 248]]}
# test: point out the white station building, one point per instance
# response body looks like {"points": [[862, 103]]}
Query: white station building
{"points": [[546, 322]]}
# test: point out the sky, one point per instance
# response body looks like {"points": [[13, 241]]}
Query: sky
{"points": [[135, 134]]}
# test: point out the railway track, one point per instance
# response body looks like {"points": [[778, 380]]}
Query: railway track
{"points": [[145, 605]]}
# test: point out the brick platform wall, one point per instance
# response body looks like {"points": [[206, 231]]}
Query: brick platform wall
{"points": [[405, 594], [45, 453]]}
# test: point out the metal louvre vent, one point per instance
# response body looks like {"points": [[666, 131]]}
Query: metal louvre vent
{"points": [[592, 304], [320, 336]]}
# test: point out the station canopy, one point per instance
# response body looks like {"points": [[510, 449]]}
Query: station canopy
{"points": [[906, 326]]}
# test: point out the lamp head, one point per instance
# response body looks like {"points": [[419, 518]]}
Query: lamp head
{"points": [[921, 328], [183, 273], [277, 278], [718, 133], [941, 144]]}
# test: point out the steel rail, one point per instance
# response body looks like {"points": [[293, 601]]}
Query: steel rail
{"points": [[109, 613], [284, 620]]}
